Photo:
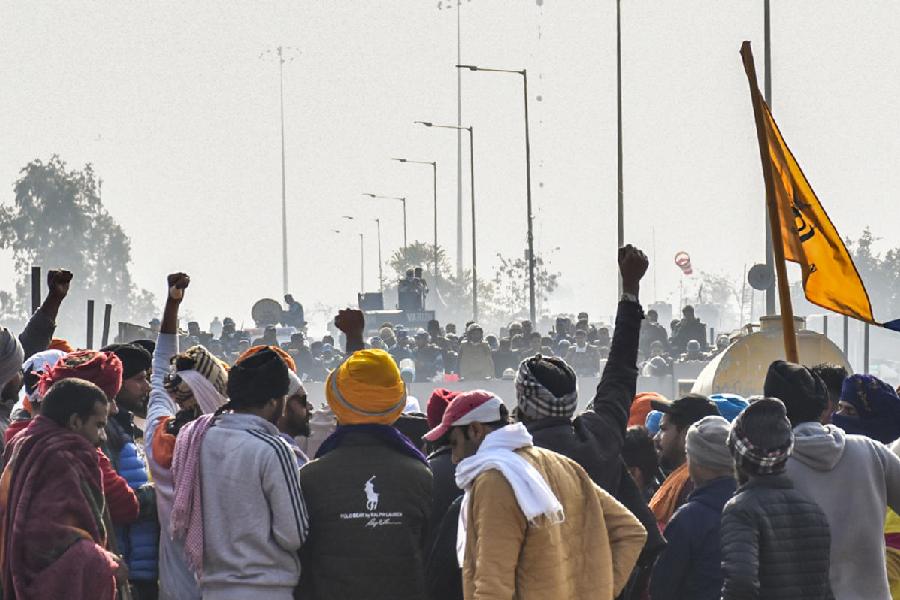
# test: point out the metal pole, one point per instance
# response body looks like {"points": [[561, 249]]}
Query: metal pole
{"points": [[380, 272], [434, 171], [90, 325], [846, 337], [621, 197], [474, 254], [107, 318], [459, 202], [35, 289], [403, 200], [767, 85], [866, 348], [362, 267], [284, 252], [531, 310], [825, 325]]}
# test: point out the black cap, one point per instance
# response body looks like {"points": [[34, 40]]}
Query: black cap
{"points": [[688, 409]]}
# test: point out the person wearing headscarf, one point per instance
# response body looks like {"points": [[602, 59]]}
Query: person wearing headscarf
{"points": [[104, 370], [182, 387], [34, 338], [827, 462], [294, 420], [54, 536], [774, 539], [870, 407], [690, 566], [32, 369], [234, 471], [369, 490]]}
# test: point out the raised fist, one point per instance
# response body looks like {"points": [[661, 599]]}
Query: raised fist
{"points": [[178, 282], [351, 322], [632, 265], [58, 282]]}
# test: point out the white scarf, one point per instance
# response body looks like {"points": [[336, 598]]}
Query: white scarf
{"points": [[206, 395], [497, 451]]}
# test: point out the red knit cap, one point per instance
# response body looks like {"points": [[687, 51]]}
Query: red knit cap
{"points": [[103, 369], [437, 404]]}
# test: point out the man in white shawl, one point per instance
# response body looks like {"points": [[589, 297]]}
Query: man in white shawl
{"points": [[532, 525]]}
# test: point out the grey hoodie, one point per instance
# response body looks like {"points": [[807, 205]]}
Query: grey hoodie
{"points": [[854, 479]]}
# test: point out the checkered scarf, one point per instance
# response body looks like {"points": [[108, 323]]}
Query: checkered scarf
{"points": [[755, 460], [535, 400]]}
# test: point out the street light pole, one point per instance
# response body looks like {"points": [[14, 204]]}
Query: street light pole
{"points": [[620, 209], [380, 272], [530, 230], [401, 199], [362, 265], [433, 165], [471, 131]]}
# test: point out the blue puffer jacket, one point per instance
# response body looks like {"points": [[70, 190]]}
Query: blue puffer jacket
{"points": [[139, 542], [690, 566]]}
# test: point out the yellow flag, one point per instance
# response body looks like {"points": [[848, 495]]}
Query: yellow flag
{"points": [[809, 238]]}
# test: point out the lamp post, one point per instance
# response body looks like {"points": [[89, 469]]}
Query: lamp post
{"points": [[471, 131], [283, 54], [380, 272], [401, 199], [362, 264], [530, 238], [433, 165]]}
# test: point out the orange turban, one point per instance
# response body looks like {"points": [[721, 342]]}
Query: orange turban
{"points": [[640, 408], [366, 389], [287, 358], [60, 344]]}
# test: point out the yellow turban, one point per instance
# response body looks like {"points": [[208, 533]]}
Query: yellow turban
{"points": [[366, 389]]}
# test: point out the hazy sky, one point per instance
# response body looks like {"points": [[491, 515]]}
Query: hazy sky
{"points": [[173, 105]]}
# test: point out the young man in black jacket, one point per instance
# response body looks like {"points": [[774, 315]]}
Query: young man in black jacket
{"points": [[547, 398], [775, 541]]}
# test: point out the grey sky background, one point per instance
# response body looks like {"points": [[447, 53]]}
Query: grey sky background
{"points": [[180, 118]]}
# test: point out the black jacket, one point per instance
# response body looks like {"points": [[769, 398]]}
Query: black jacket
{"points": [[691, 565], [775, 543], [443, 577], [369, 507], [444, 490], [594, 439]]}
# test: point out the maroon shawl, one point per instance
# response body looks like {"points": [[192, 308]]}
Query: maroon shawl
{"points": [[52, 536]]}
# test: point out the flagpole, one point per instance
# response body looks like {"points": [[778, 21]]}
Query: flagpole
{"points": [[784, 292], [767, 86]]}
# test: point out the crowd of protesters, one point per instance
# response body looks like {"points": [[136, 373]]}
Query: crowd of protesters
{"points": [[147, 470], [430, 353]]}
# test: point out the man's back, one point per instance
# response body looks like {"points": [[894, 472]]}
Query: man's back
{"points": [[369, 509], [775, 544], [827, 465], [254, 517], [589, 555]]}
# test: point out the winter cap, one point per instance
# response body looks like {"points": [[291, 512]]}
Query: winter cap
{"points": [[258, 378], [366, 389], [706, 445], [478, 406], [437, 404], [135, 359], [11, 356], [761, 438], [802, 392], [546, 387]]}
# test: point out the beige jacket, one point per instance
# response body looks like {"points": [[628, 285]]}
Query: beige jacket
{"points": [[590, 555]]}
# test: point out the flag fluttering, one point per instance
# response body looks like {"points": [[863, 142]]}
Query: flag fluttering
{"points": [[807, 235]]}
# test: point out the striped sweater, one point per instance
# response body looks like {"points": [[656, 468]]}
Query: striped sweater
{"points": [[254, 515]]}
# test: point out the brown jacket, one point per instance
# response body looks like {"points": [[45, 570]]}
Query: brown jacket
{"points": [[590, 555]]}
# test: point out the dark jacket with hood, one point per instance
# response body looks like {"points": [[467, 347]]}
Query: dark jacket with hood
{"points": [[690, 566], [444, 489], [775, 544], [595, 438], [369, 506]]}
